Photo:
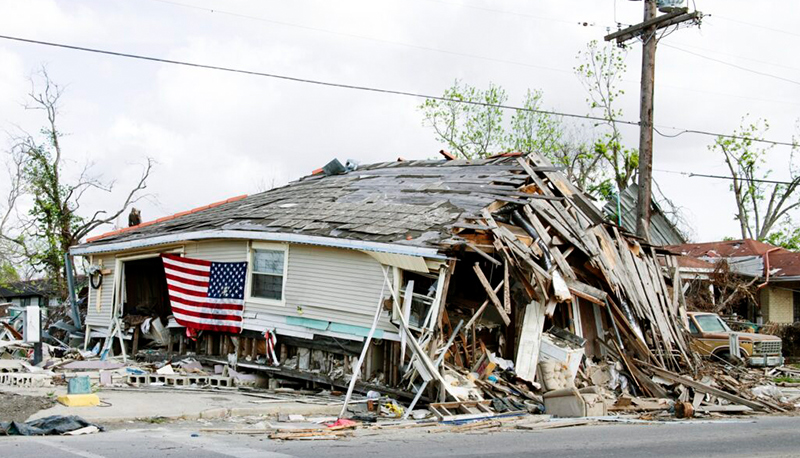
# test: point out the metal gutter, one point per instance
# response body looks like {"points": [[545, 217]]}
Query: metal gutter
{"points": [[380, 247]]}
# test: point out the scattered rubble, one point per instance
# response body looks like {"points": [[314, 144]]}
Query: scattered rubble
{"points": [[553, 313]]}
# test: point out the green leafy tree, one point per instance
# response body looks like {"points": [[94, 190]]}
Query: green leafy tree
{"points": [[763, 210], [469, 122], [475, 130], [53, 224], [600, 70]]}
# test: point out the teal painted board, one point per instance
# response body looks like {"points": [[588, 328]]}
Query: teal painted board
{"points": [[308, 322], [354, 330]]}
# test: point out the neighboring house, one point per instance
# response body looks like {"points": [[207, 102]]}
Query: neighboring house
{"points": [[32, 292], [775, 270]]}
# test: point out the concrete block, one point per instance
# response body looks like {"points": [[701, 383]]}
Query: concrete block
{"points": [[26, 380], [217, 380]]}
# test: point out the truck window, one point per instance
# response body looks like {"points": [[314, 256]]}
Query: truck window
{"points": [[693, 327], [711, 323]]}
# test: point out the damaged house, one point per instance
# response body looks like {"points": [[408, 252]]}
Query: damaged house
{"points": [[751, 279], [446, 269]]}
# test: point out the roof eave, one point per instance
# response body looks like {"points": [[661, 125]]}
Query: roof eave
{"points": [[381, 247]]}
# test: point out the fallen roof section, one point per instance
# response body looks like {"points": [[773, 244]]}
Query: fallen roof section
{"points": [[409, 203]]}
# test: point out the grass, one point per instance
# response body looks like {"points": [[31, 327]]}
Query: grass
{"points": [[153, 420], [786, 380]]}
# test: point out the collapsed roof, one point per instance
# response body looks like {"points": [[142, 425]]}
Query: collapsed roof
{"points": [[412, 203]]}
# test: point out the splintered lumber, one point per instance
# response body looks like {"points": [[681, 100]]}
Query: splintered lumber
{"points": [[480, 310], [697, 386], [584, 291], [506, 289], [483, 254], [492, 296]]}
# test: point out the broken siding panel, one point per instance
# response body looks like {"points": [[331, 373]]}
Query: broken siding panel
{"points": [[102, 319]]}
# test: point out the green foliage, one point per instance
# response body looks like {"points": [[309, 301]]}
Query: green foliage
{"points": [[470, 123], [599, 70], [786, 237], [53, 221]]}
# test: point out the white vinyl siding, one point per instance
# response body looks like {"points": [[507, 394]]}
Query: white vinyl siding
{"points": [[334, 285], [329, 284], [102, 319]]}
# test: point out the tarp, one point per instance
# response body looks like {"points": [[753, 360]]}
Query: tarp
{"points": [[55, 424]]}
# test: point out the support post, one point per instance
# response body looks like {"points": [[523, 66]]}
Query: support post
{"points": [[76, 317]]}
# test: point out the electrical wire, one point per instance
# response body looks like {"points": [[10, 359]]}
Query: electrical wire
{"points": [[514, 13], [723, 177], [361, 37], [724, 18], [736, 56], [376, 89], [770, 75], [443, 51]]}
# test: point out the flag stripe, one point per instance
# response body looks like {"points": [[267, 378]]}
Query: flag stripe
{"points": [[197, 323], [192, 274], [208, 316], [174, 279], [196, 304], [200, 264]]}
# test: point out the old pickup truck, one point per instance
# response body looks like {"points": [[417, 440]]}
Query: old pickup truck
{"points": [[712, 337]]}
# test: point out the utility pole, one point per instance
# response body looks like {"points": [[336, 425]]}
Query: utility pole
{"points": [[647, 30], [646, 122]]}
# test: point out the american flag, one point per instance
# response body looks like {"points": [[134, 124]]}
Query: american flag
{"points": [[206, 295]]}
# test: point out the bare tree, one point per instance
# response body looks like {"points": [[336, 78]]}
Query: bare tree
{"points": [[54, 221], [761, 207]]}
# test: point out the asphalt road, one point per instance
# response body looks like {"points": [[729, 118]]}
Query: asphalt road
{"points": [[756, 437]]}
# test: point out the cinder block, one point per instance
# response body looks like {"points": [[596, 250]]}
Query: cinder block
{"points": [[220, 381]]}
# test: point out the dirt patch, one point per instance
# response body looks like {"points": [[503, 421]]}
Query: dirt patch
{"points": [[15, 407]]}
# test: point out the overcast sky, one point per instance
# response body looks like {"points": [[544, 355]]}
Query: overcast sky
{"points": [[216, 135]]}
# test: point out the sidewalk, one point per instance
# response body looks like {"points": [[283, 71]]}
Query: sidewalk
{"points": [[174, 405]]}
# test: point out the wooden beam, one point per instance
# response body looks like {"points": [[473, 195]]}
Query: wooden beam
{"points": [[704, 388], [492, 296]]}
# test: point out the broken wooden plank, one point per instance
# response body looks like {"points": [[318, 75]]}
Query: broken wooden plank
{"points": [[530, 338], [480, 310], [588, 292], [506, 289], [675, 378], [492, 296], [483, 254]]}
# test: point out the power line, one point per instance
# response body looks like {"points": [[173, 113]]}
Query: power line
{"points": [[723, 177], [756, 25], [741, 57], [377, 90], [445, 51], [514, 13], [360, 37], [770, 75]]}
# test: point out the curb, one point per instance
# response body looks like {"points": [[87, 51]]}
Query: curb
{"points": [[223, 412]]}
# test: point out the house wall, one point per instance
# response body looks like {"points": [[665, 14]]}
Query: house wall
{"points": [[328, 291], [777, 305], [98, 310]]}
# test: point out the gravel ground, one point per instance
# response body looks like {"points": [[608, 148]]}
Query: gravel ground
{"points": [[15, 407]]}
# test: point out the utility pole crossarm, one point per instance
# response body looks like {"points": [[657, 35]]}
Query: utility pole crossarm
{"points": [[678, 16]]}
